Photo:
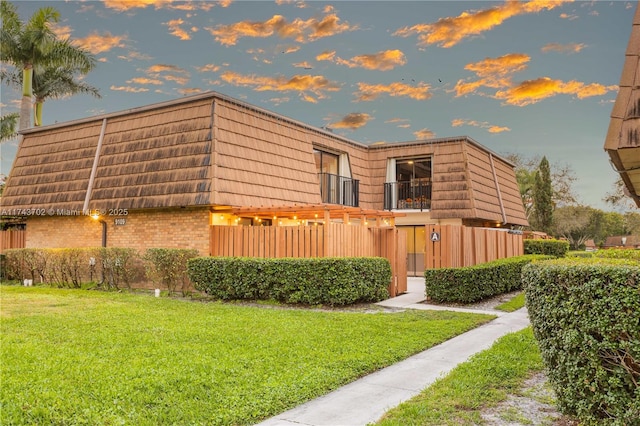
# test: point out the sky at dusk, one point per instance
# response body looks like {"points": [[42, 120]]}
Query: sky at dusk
{"points": [[531, 78]]}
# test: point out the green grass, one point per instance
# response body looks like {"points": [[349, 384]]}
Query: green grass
{"points": [[85, 357], [483, 381], [513, 304]]}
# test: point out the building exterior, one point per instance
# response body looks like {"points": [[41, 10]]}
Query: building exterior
{"points": [[622, 143], [622, 242], [161, 175]]}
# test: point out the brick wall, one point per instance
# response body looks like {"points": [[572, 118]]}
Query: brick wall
{"points": [[169, 228]]}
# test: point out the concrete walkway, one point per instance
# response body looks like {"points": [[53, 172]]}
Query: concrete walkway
{"points": [[367, 399]]}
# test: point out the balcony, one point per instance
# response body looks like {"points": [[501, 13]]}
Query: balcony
{"points": [[412, 195], [341, 190]]}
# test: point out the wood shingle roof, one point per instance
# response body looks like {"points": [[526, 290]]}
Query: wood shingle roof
{"points": [[212, 150]]}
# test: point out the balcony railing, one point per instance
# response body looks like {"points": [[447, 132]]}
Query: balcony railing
{"points": [[414, 195], [342, 190]]}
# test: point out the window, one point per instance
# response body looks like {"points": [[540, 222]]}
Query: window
{"points": [[409, 170], [326, 162]]}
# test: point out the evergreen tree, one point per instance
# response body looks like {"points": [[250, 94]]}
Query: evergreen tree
{"points": [[542, 198]]}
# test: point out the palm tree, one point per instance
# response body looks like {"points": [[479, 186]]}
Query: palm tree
{"points": [[8, 126], [51, 83], [57, 83], [33, 46]]}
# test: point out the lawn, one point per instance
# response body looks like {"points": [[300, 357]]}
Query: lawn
{"points": [[514, 304], [483, 381], [88, 357]]}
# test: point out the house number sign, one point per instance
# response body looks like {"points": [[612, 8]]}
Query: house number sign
{"points": [[435, 237], [120, 221]]}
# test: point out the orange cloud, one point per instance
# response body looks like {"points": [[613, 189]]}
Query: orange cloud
{"points": [[482, 124], [382, 61], [369, 92], [133, 55], [96, 43], [189, 90], [493, 72], [533, 91], [424, 134], [315, 84], [144, 80], [176, 30], [303, 64], [302, 31], [208, 68], [169, 73], [447, 32], [290, 49], [563, 48], [129, 89], [278, 101], [327, 55], [62, 32], [124, 5], [352, 121]]}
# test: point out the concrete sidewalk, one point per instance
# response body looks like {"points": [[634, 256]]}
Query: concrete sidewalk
{"points": [[367, 399]]}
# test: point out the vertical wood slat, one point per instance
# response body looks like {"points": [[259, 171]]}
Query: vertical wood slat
{"points": [[12, 239]]}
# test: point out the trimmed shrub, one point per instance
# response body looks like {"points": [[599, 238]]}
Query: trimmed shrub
{"points": [[118, 266], [72, 267], [317, 281], [66, 267], [629, 254], [473, 283], [585, 315], [169, 267], [30, 263], [557, 248]]}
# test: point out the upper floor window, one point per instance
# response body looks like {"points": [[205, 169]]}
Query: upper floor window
{"points": [[326, 162], [412, 169], [335, 187], [410, 187]]}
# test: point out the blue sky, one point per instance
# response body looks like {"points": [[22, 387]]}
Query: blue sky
{"points": [[531, 78]]}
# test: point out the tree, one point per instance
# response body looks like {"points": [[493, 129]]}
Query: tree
{"points": [[53, 83], [32, 46], [618, 198], [562, 178], [543, 197], [572, 223], [8, 126]]}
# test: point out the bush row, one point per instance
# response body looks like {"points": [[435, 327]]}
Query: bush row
{"points": [[473, 283], [326, 281], [585, 315], [106, 267], [556, 248]]}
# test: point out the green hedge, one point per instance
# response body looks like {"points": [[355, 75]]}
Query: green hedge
{"points": [[555, 248], [321, 281], [473, 283], [586, 317]]}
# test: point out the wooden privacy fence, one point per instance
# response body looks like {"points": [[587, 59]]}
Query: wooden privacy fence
{"points": [[451, 246], [12, 238], [328, 240]]}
